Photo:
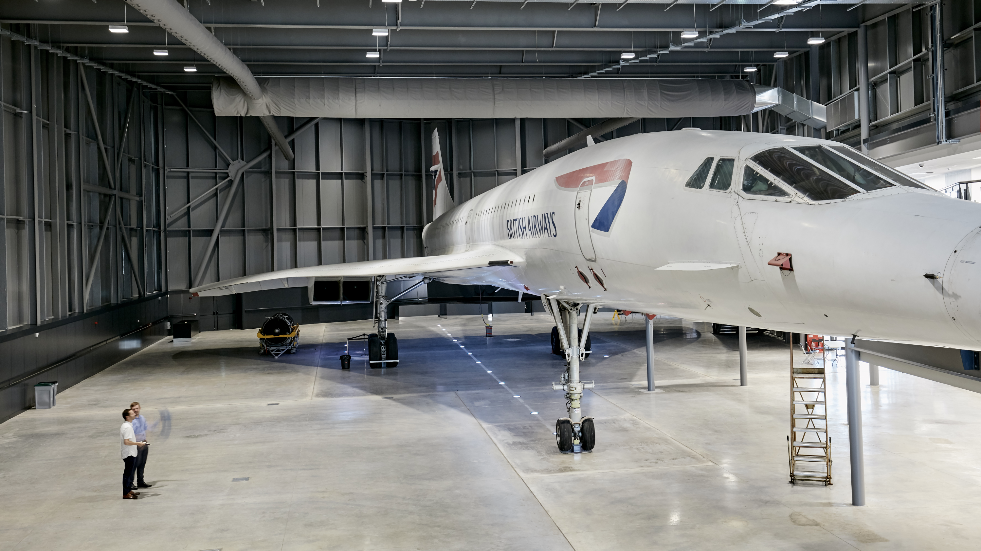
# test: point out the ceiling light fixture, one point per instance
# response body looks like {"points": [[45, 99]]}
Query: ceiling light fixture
{"points": [[118, 29], [781, 55], [373, 55], [161, 52], [190, 69], [787, 2], [689, 34], [749, 69], [379, 32], [815, 40], [628, 55], [392, 1]]}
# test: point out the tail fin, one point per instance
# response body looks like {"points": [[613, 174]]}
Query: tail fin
{"points": [[442, 200]]}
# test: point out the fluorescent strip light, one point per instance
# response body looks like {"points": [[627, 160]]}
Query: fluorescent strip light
{"points": [[780, 55], [190, 69], [161, 52], [815, 40], [392, 1], [372, 55], [118, 29], [628, 55], [786, 2], [750, 69], [379, 32], [689, 34]]}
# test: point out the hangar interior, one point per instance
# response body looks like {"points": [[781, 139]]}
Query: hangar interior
{"points": [[121, 189]]}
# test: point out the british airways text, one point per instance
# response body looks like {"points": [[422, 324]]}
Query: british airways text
{"points": [[537, 225]]}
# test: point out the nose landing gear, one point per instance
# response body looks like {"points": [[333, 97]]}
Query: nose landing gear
{"points": [[575, 433], [383, 347]]}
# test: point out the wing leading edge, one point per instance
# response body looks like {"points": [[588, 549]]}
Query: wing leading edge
{"points": [[474, 261]]}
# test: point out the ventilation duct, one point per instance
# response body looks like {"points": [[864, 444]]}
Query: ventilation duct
{"points": [[792, 106], [382, 98], [176, 20]]}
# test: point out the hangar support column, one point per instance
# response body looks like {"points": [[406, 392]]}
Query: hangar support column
{"points": [[743, 375], [854, 392], [863, 86], [649, 323]]}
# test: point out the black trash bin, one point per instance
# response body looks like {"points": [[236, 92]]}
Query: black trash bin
{"points": [[346, 361]]}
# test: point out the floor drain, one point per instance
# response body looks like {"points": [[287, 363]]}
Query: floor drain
{"points": [[242, 479], [273, 404], [389, 397]]}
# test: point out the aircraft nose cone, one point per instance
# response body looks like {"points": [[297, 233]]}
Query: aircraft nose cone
{"points": [[961, 282]]}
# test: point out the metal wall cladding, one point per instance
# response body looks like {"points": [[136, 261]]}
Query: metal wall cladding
{"points": [[32, 349]]}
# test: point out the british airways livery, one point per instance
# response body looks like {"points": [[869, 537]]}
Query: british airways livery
{"points": [[788, 233]]}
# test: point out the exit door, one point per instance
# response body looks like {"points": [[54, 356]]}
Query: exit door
{"points": [[582, 218]]}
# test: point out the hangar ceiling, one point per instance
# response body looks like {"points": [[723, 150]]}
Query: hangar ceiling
{"points": [[438, 38]]}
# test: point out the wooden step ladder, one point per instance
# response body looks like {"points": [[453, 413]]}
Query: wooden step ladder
{"points": [[808, 443]]}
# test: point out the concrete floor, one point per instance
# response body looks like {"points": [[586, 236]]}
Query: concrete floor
{"points": [[437, 454]]}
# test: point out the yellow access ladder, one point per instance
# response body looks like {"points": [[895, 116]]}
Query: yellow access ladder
{"points": [[809, 444]]}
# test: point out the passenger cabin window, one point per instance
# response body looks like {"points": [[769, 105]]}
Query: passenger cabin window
{"points": [[722, 177], [806, 178], [868, 163], [697, 180], [854, 173], [755, 183]]}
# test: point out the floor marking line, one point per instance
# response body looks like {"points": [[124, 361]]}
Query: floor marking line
{"points": [[515, 470], [320, 352]]}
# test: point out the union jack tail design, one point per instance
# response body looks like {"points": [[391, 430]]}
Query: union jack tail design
{"points": [[442, 200]]}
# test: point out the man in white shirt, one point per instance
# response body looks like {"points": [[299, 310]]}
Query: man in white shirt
{"points": [[128, 451]]}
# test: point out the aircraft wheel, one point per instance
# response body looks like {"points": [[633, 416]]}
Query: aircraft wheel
{"points": [[715, 328], [374, 350], [556, 342], [391, 350], [564, 435], [587, 434]]}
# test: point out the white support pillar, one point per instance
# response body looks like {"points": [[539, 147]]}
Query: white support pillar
{"points": [[873, 374], [854, 393], [743, 376], [650, 352]]}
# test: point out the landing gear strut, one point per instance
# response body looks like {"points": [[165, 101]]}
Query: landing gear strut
{"points": [[383, 347], [575, 433]]}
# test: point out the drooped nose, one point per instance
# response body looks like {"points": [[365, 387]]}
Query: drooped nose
{"points": [[961, 283]]}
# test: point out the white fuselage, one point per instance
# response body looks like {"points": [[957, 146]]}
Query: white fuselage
{"points": [[859, 263]]}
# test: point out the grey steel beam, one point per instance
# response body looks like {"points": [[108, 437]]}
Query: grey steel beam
{"points": [[939, 73], [112, 203], [3, 207], [37, 250], [863, 86], [369, 207], [236, 181], [204, 131]]}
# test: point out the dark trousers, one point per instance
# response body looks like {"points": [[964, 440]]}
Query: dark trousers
{"points": [[128, 471], [141, 462]]}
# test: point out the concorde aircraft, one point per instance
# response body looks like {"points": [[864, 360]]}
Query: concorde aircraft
{"points": [[788, 233]]}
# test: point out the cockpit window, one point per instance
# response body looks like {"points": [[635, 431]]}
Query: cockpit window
{"points": [[755, 183], [868, 163], [809, 180], [722, 177], [697, 180], [855, 174]]}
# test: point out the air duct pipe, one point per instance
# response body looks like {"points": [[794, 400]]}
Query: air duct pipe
{"points": [[179, 22]]}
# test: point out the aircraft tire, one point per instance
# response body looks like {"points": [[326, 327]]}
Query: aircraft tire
{"points": [[374, 350], [391, 350], [715, 328], [563, 435], [556, 342], [587, 434]]}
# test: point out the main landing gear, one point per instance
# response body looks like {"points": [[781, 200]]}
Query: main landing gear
{"points": [[383, 347], [575, 433]]}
